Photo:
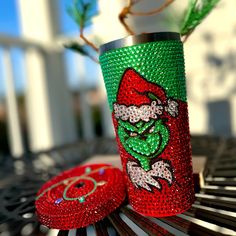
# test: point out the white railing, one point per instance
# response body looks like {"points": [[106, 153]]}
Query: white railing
{"points": [[46, 102], [14, 129]]}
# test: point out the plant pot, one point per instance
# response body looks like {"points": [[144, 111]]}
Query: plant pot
{"points": [[145, 83]]}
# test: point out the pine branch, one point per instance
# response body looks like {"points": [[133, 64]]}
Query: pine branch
{"points": [[124, 14], [81, 49], [82, 12], [197, 11]]}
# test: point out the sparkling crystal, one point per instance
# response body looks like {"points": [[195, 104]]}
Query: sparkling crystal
{"points": [[58, 201], [101, 171], [82, 199], [87, 170], [101, 183]]}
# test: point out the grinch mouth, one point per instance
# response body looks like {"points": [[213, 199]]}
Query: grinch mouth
{"points": [[145, 149]]}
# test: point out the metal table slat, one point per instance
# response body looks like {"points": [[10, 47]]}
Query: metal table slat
{"points": [[63, 233], [216, 203], [212, 217], [121, 227], [225, 173], [81, 232], [189, 227], [220, 191], [227, 182], [144, 223], [101, 228]]}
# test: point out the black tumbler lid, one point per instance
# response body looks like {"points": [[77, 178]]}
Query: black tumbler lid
{"points": [[137, 39]]}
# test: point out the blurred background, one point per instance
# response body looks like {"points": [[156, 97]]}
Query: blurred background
{"points": [[51, 96], [54, 111]]}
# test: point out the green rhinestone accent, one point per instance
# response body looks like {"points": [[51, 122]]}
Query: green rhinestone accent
{"points": [[87, 170], [82, 199]]}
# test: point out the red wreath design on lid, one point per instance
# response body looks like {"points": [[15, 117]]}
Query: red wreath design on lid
{"points": [[80, 196]]}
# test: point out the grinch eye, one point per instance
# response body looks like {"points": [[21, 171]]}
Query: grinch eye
{"points": [[133, 134], [151, 130]]}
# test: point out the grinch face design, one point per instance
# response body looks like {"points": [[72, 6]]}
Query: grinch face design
{"points": [[142, 130], [143, 140]]}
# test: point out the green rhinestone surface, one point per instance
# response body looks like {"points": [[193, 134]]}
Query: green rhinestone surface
{"points": [[159, 62]]}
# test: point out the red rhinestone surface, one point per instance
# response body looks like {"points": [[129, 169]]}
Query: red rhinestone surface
{"points": [[56, 212], [178, 197]]}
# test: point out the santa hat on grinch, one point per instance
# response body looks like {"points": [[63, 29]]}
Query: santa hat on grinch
{"points": [[138, 99]]}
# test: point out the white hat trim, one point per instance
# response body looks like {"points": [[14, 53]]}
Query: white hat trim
{"points": [[145, 112]]}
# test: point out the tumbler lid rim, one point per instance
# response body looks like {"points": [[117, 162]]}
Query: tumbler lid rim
{"points": [[138, 39]]}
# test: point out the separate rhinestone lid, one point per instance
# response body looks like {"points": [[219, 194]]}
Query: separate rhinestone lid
{"points": [[138, 39], [80, 196]]}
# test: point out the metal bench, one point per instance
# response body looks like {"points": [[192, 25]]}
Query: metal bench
{"points": [[213, 213]]}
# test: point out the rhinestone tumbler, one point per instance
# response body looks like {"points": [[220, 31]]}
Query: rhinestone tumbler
{"points": [[145, 83]]}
